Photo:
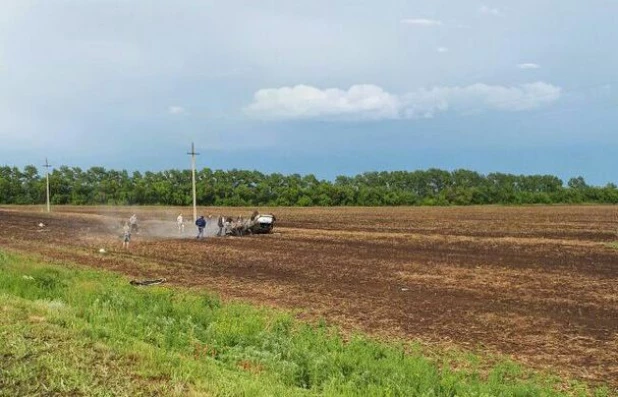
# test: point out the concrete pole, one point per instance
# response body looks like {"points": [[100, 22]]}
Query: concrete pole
{"points": [[47, 165], [193, 154]]}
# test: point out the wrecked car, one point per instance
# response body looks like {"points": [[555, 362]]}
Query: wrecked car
{"points": [[257, 224]]}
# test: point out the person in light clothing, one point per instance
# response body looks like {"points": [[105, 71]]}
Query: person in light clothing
{"points": [[133, 223], [220, 223], [126, 235], [180, 223]]}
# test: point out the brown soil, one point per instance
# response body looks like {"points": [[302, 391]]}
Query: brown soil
{"points": [[537, 283]]}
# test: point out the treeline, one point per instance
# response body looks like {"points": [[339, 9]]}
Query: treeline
{"points": [[72, 185]]}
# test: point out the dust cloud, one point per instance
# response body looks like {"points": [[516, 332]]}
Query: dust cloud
{"points": [[156, 223]]}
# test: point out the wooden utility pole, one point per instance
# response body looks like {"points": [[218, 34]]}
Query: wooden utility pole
{"points": [[193, 154], [47, 166]]}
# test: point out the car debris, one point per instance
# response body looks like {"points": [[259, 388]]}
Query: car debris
{"points": [[256, 224], [148, 282]]}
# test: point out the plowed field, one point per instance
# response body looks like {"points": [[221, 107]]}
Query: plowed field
{"points": [[537, 283]]}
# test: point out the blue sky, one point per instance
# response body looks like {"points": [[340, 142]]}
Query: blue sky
{"points": [[322, 87]]}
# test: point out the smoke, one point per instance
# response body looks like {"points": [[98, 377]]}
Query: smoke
{"points": [[103, 226], [155, 223], [168, 229]]}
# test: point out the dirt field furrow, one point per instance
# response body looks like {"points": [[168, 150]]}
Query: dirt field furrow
{"points": [[537, 283]]}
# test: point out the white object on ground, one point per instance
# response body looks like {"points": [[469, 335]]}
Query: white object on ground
{"points": [[264, 219], [102, 250]]}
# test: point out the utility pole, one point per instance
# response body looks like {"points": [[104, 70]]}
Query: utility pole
{"points": [[193, 154], [47, 166]]}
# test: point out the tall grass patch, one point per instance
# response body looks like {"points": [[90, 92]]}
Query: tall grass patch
{"points": [[91, 332]]}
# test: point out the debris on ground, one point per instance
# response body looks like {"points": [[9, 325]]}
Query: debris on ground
{"points": [[148, 282], [256, 224]]}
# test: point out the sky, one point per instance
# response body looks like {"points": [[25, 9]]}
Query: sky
{"points": [[335, 87]]}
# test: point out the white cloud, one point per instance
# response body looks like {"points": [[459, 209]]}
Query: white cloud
{"points": [[371, 102], [361, 101], [479, 97], [176, 110], [442, 49], [490, 11], [528, 66], [421, 22]]}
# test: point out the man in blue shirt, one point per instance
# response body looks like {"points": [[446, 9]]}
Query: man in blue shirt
{"points": [[201, 224]]}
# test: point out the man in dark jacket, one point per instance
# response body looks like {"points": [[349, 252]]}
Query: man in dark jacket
{"points": [[201, 224]]}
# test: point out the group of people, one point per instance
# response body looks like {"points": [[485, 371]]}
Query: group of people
{"points": [[226, 226], [238, 226], [201, 223]]}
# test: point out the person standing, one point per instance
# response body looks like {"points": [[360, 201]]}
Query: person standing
{"points": [[133, 223], [220, 224], [180, 223], [227, 225], [201, 224], [126, 235]]}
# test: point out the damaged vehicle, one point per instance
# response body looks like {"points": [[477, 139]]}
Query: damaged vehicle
{"points": [[257, 224], [262, 224]]}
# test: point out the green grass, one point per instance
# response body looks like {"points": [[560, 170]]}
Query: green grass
{"points": [[613, 245], [69, 330]]}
